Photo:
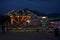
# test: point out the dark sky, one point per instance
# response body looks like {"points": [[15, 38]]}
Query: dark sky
{"points": [[46, 6]]}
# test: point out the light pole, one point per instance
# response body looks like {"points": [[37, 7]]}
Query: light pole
{"points": [[43, 20]]}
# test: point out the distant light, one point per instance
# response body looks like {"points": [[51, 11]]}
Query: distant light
{"points": [[54, 22], [43, 17], [28, 21], [11, 16], [18, 16]]}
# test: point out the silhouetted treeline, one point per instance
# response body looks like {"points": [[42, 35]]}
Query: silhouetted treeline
{"points": [[43, 14], [4, 18], [54, 15]]}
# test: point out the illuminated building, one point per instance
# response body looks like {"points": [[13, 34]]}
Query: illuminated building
{"points": [[19, 18]]}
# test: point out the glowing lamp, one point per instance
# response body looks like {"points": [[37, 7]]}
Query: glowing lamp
{"points": [[43, 17]]}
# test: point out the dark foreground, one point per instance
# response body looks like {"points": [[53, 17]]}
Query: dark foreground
{"points": [[27, 36]]}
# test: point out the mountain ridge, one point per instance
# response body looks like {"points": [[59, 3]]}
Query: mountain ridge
{"points": [[37, 13]]}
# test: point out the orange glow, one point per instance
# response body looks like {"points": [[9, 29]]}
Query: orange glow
{"points": [[28, 17], [11, 16], [11, 21], [19, 19]]}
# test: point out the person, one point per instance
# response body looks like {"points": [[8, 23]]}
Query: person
{"points": [[56, 31], [3, 29], [37, 29], [25, 26]]}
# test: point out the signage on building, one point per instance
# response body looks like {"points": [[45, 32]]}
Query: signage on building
{"points": [[18, 19]]}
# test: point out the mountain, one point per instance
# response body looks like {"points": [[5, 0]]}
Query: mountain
{"points": [[43, 14], [54, 15], [35, 12], [28, 10]]}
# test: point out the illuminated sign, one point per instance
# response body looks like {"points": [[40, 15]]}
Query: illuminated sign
{"points": [[18, 19], [54, 22]]}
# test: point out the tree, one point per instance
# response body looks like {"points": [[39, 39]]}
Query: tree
{"points": [[4, 18]]}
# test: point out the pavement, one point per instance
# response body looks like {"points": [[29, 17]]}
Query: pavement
{"points": [[27, 36]]}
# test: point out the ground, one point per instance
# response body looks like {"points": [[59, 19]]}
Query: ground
{"points": [[27, 36]]}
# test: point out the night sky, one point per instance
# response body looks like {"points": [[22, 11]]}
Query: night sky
{"points": [[45, 6]]}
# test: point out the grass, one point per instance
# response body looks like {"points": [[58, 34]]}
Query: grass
{"points": [[21, 31], [42, 32]]}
